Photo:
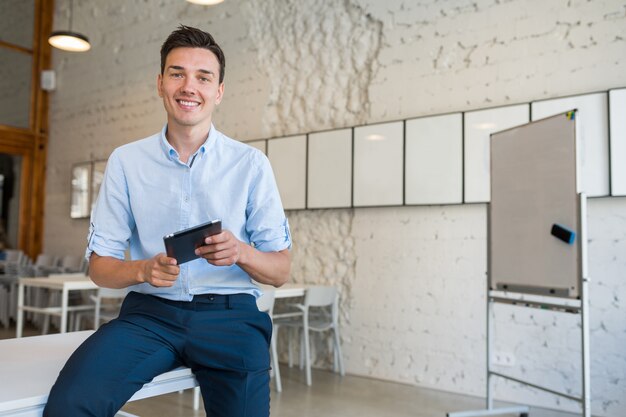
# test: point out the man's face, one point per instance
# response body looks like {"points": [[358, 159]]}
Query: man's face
{"points": [[190, 87]]}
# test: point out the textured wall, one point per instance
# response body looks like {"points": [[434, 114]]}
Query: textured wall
{"points": [[412, 278]]}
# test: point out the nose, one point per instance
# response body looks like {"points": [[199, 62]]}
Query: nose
{"points": [[188, 86]]}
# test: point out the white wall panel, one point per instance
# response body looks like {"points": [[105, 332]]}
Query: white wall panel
{"points": [[593, 140], [478, 127], [288, 159], [330, 169], [378, 159], [434, 160], [617, 100]]}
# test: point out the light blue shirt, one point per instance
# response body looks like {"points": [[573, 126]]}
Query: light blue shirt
{"points": [[148, 193]]}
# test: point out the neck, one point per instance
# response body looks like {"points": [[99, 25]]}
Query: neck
{"points": [[186, 139]]}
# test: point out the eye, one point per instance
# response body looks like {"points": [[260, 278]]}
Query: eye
{"points": [[176, 75]]}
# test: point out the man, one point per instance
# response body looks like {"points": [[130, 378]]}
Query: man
{"points": [[201, 314]]}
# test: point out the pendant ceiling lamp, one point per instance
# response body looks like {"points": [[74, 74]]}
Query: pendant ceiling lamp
{"points": [[69, 40], [205, 2]]}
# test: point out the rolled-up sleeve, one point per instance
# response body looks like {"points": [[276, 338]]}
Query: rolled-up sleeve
{"points": [[266, 223], [111, 220]]}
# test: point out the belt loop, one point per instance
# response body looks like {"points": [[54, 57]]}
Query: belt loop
{"points": [[228, 305]]}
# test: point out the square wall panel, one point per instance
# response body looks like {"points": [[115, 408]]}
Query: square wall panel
{"points": [[288, 159], [259, 144], [378, 165], [478, 127], [617, 103], [330, 169], [594, 136], [434, 160]]}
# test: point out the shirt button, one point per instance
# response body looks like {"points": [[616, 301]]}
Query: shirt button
{"points": [[186, 198]]}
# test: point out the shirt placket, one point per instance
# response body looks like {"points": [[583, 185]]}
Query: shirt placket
{"points": [[185, 217]]}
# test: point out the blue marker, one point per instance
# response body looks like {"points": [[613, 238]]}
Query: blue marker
{"points": [[563, 233]]}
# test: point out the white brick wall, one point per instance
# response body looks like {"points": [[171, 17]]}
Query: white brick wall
{"points": [[412, 278]]}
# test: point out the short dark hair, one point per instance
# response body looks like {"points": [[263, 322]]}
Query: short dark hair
{"points": [[189, 37]]}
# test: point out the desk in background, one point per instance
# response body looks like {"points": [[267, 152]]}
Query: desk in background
{"points": [[63, 283]]}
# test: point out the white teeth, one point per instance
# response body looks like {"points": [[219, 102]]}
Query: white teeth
{"points": [[188, 103]]}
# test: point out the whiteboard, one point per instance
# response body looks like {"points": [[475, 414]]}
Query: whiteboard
{"points": [[533, 186], [259, 144], [378, 160], [617, 100], [330, 169], [434, 160], [478, 125], [288, 159], [593, 137]]}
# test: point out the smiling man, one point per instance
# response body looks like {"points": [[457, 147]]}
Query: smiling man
{"points": [[201, 314]]}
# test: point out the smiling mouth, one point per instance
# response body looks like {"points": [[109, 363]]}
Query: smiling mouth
{"points": [[187, 103]]}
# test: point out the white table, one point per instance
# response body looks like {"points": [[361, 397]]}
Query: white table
{"points": [[63, 283], [30, 365], [287, 290]]}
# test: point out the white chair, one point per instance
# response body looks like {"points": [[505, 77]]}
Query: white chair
{"points": [[52, 305], [106, 307], [45, 265], [15, 265], [265, 303], [318, 313], [70, 264], [4, 305]]}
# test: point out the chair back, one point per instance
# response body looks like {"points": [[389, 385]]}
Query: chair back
{"points": [[265, 302], [114, 296], [321, 296], [13, 255], [46, 260], [71, 263]]}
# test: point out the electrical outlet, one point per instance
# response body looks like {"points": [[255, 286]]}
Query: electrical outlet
{"points": [[503, 359]]}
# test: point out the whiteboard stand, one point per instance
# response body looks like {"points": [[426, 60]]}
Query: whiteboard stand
{"points": [[562, 305]]}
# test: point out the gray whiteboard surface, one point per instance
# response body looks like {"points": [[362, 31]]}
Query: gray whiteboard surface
{"points": [[478, 125], [434, 160], [618, 141], [288, 159], [378, 171], [533, 186], [593, 137], [330, 169]]}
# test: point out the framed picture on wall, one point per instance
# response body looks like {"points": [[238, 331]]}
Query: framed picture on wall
{"points": [[80, 200], [97, 175]]}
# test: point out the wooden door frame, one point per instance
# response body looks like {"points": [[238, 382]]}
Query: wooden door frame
{"points": [[31, 143]]}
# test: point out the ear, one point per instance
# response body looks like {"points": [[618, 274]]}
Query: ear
{"points": [[220, 94], [160, 85]]}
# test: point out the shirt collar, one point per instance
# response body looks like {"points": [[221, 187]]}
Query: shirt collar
{"points": [[172, 154]]}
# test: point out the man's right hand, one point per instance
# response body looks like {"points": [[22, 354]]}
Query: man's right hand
{"points": [[160, 271]]}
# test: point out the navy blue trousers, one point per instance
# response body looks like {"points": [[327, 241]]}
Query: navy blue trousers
{"points": [[223, 339]]}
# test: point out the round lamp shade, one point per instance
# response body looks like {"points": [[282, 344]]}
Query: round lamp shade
{"points": [[69, 41]]}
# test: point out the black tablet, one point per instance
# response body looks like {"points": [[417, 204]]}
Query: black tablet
{"points": [[182, 245]]}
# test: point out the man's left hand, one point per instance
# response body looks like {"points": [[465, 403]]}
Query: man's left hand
{"points": [[222, 249]]}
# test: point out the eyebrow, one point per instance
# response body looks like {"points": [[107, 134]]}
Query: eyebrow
{"points": [[179, 68]]}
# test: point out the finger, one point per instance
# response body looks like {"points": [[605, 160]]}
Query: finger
{"points": [[216, 247], [223, 261], [163, 259], [223, 236], [162, 283], [225, 254], [163, 276]]}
